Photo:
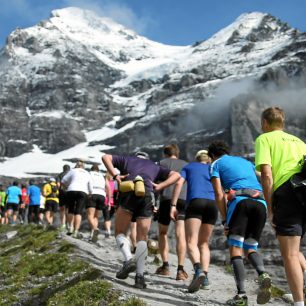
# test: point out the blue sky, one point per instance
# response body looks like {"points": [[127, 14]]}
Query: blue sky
{"points": [[175, 22]]}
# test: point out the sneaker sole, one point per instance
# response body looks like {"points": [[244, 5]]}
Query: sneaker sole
{"points": [[138, 286], [195, 286], [124, 274], [162, 275], [263, 296], [207, 287]]}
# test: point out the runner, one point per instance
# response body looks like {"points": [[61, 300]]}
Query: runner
{"points": [[50, 192], [4, 219], [172, 162], [13, 200], [96, 202], [34, 202], [200, 216], [62, 197], [108, 212], [23, 207], [279, 156], [136, 203], [243, 217], [79, 186]]}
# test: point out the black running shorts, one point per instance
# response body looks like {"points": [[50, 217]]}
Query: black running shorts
{"points": [[248, 221], [203, 209], [51, 205], [76, 202], [62, 197], [96, 201], [164, 211], [12, 206], [139, 207], [289, 215]]}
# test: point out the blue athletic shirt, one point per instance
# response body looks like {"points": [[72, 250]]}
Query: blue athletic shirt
{"points": [[13, 193], [34, 195], [197, 177], [235, 173]]}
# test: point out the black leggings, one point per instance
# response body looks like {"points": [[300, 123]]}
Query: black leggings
{"points": [[33, 215]]}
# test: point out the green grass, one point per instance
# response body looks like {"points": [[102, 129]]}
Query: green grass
{"points": [[36, 266]]}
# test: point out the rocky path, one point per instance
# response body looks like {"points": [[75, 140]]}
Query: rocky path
{"points": [[160, 290]]}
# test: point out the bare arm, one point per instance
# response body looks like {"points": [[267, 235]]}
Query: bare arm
{"points": [[172, 178], [175, 195], [219, 196], [267, 185], [108, 192], [107, 160], [177, 190]]}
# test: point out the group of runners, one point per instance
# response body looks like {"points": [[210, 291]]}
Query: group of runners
{"points": [[72, 193], [191, 194]]}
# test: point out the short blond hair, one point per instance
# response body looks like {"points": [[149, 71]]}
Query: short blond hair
{"points": [[202, 156], [274, 116]]}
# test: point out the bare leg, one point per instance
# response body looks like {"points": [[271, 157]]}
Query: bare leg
{"points": [[163, 242], [289, 246], [204, 236], [180, 241], [192, 228]]}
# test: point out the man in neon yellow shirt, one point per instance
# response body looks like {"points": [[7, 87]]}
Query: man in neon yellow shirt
{"points": [[279, 156]]}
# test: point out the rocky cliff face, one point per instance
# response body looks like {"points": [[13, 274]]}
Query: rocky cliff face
{"points": [[76, 72]]}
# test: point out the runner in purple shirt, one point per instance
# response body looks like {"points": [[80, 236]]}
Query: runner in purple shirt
{"points": [[139, 207]]}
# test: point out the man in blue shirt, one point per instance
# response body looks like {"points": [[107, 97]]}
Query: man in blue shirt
{"points": [[240, 201], [13, 199], [34, 202]]}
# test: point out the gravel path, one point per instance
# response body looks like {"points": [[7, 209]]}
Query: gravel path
{"points": [[162, 290]]}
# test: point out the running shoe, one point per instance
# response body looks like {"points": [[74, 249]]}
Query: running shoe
{"points": [[163, 271], [238, 301], [197, 281], [107, 235], [128, 267], [206, 284], [140, 282], [264, 292], [95, 236], [77, 235], [181, 275]]}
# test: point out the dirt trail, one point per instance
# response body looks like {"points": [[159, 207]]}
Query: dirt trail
{"points": [[161, 290]]}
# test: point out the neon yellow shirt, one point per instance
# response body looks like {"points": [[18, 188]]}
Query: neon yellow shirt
{"points": [[282, 151], [47, 190]]}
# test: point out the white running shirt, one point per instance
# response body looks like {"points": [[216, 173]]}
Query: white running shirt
{"points": [[78, 179], [98, 183]]}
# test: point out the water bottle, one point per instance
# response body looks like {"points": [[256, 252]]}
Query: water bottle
{"points": [[139, 186]]}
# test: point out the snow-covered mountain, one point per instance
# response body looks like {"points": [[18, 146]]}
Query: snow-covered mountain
{"points": [[78, 84]]}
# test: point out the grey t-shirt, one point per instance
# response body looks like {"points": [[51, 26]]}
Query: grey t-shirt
{"points": [[173, 164]]}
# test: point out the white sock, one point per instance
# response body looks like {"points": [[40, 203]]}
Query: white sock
{"points": [[301, 303], [141, 255], [124, 246]]}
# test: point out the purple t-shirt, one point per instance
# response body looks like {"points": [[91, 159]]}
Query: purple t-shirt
{"points": [[147, 169]]}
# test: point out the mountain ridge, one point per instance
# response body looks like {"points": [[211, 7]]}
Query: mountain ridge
{"points": [[77, 72]]}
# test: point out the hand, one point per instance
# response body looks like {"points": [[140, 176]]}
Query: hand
{"points": [[119, 178], [271, 220], [157, 187], [109, 207], [173, 213]]}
